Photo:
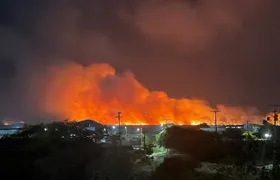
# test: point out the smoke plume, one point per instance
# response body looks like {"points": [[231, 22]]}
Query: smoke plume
{"points": [[97, 92], [65, 58]]}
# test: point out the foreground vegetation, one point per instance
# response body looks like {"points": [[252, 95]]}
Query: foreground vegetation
{"points": [[42, 154]]}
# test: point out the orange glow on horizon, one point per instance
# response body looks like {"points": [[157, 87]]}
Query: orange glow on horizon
{"points": [[194, 123], [96, 92], [6, 124]]}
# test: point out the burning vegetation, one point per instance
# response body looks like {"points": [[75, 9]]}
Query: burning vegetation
{"points": [[96, 92]]}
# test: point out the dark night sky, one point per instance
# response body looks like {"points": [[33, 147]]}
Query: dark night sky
{"points": [[223, 51]]}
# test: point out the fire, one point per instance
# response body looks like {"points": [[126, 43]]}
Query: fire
{"points": [[96, 92], [11, 121], [7, 123], [194, 123]]}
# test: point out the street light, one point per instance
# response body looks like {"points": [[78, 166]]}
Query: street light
{"points": [[114, 127], [125, 130], [267, 135], [141, 134]]}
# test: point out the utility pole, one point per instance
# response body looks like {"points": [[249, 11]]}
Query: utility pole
{"points": [[166, 123], [141, 131], [141, 135], [119, 119], [274, 136], [144, 138], [215, 118]]}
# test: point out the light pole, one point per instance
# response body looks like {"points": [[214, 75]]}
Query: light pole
{"points": [[140, 129], [141, 133], [274, 136], [275, 140], [125, 131]]}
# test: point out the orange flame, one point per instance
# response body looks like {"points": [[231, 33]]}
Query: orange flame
{"points": [[96, 92]]}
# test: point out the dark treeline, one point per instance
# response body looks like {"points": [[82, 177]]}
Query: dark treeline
{"points": [[231, 147], [50, 152], [55, 159], [42, 154]]}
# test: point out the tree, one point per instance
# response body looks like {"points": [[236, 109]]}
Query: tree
{"points": [[233, 134], [193, 142], [160, 138], [176, 168], [57, 159], [149, 149], [150, 139], [249, 136]]}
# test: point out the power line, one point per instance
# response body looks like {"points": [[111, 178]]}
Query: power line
{"points": [[215, 118]]}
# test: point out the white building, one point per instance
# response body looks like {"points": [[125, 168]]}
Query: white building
{"points": [[220, 129]]}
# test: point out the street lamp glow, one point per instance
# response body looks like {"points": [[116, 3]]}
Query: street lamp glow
{"points": [[114, 127], [45, 129], [125, 127], [267, 135], [138, 129]]}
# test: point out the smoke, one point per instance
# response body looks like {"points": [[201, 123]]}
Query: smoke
{"points": [[224, 52], [97, 92], [191, 25]]}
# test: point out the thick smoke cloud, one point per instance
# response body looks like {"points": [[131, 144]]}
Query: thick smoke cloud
{"points": [[222, 51]]}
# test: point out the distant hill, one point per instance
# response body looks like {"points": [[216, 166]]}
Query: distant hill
{"points": [[89, 123], [13, 126], [203, 125]]}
